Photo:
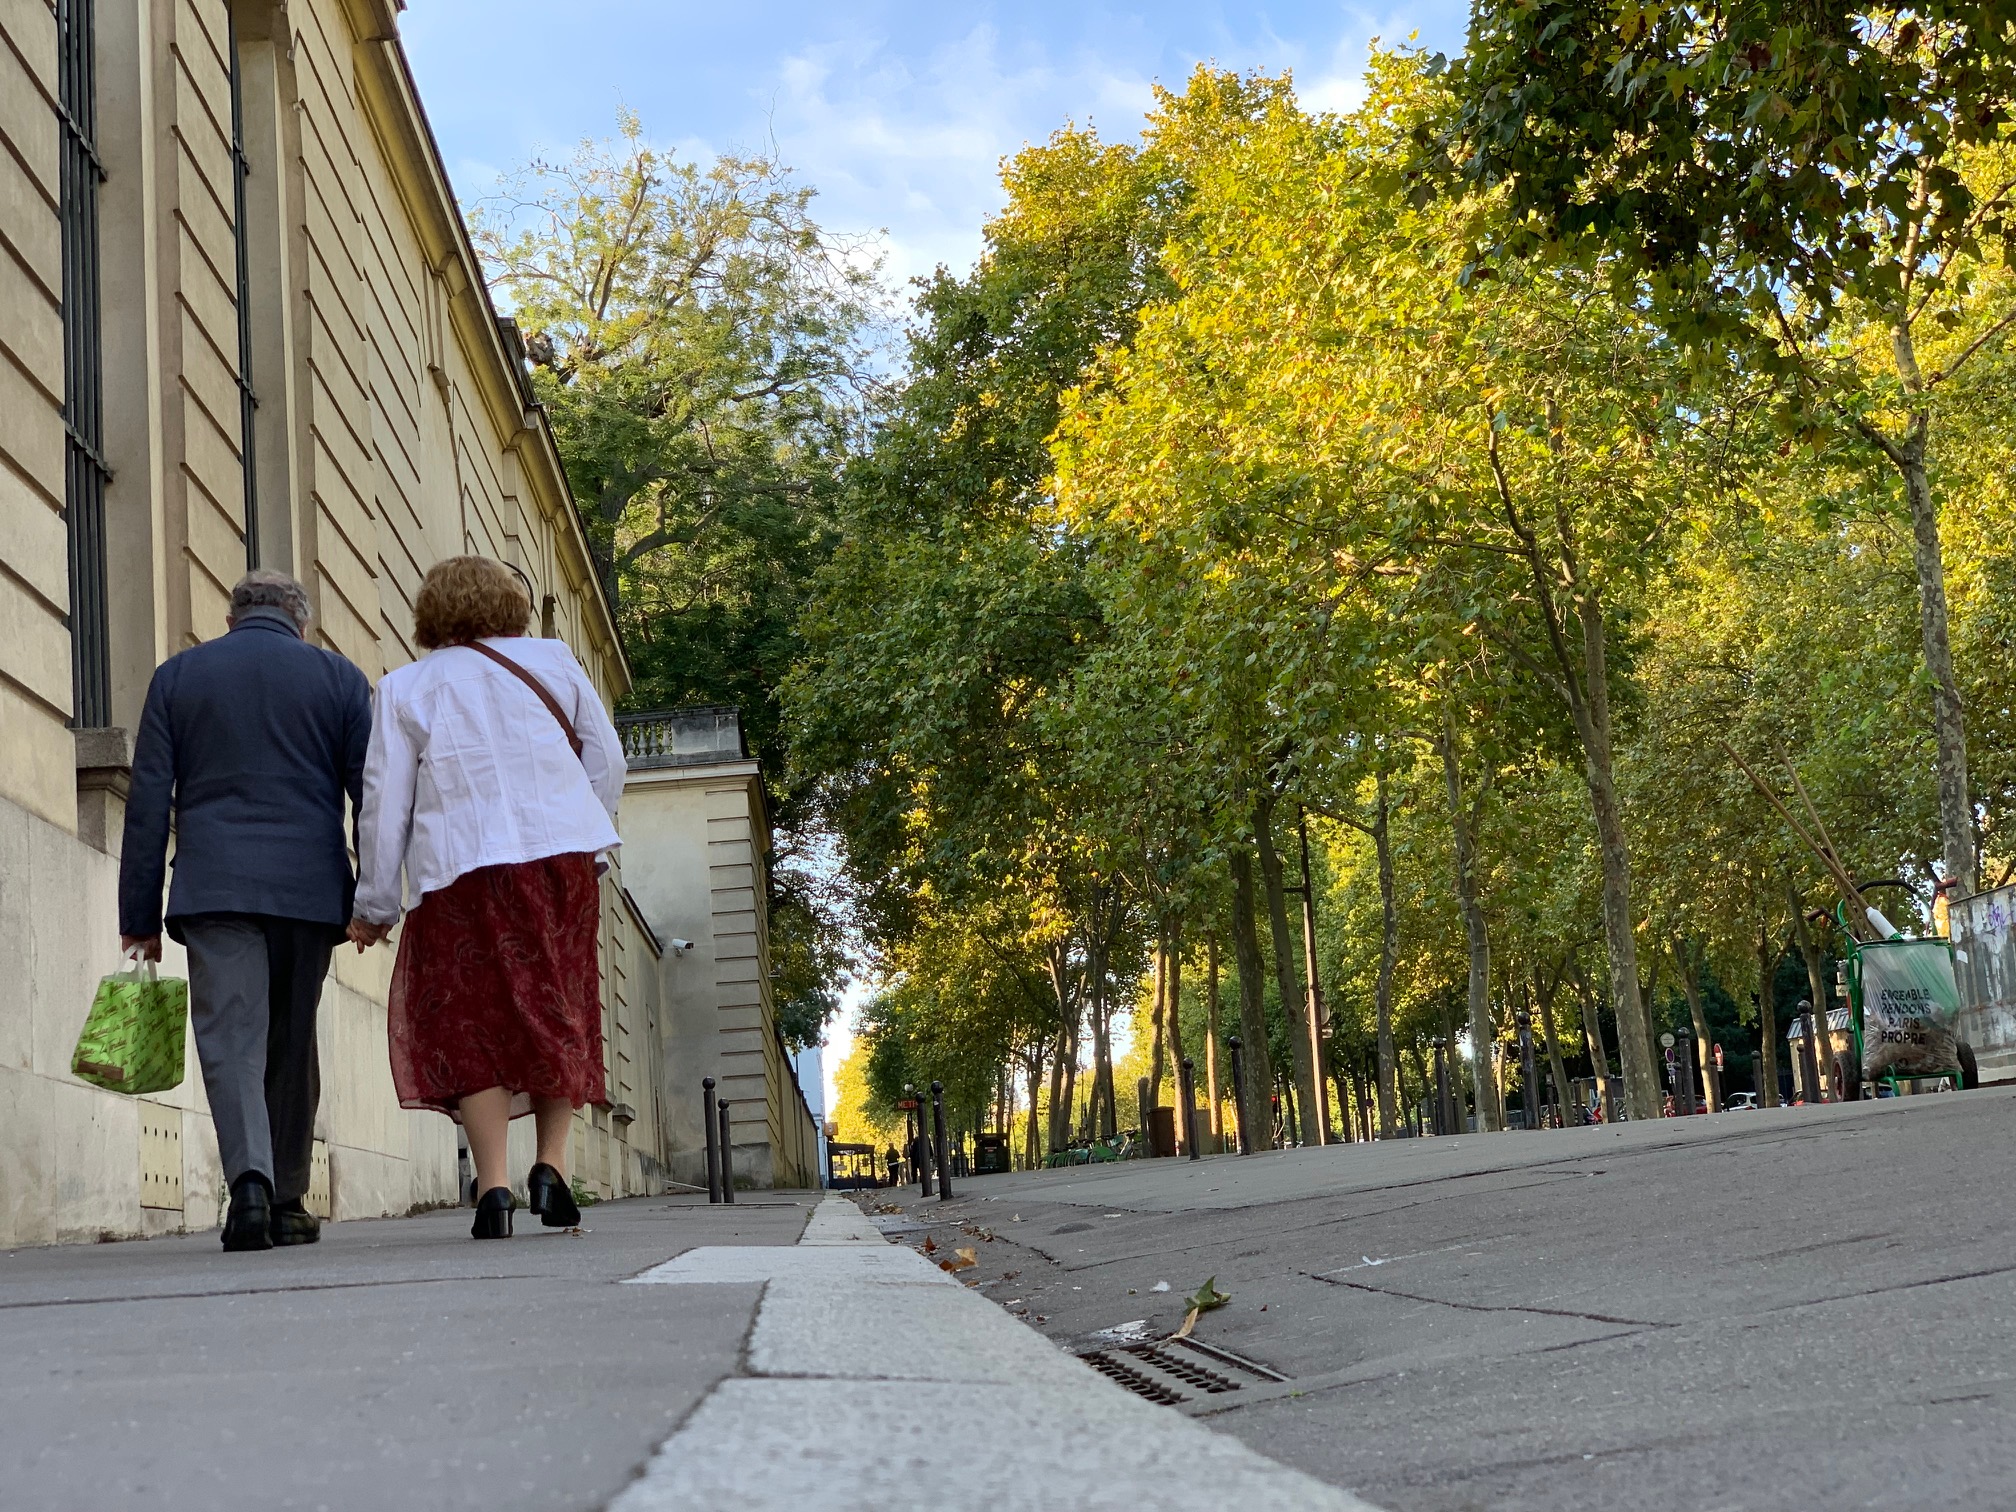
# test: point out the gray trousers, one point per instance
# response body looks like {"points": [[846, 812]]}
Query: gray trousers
{"points": [[254, 983]]}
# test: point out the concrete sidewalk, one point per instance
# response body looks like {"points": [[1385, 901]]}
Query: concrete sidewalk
{"points": [[778, 1353], [396, 1364], [879, 1380]]}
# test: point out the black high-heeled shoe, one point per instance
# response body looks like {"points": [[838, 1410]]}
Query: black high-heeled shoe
{"points": [[493, 1215], [548, 1195]]}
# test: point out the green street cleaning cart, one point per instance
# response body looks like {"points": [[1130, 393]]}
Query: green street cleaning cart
{"points": [[1903, 1005]]}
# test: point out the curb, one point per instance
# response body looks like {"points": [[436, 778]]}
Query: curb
{"points": [[875, 1379]]}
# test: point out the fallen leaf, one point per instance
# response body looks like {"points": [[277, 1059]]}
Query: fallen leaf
{"points": [[1189, 1322], [966, 1258], [930, 1245], [1208, 1296]]}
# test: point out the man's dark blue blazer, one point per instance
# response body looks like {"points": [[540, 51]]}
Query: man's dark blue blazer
{"points": [[254, 739]]}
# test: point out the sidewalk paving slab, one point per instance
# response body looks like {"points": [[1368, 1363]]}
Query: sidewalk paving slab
{"points": [[889, 1383]]}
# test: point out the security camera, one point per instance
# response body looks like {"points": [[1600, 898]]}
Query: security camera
{"points": [[680, 947]]}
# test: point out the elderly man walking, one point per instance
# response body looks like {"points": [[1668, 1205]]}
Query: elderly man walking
{"points": [[253, 740]]}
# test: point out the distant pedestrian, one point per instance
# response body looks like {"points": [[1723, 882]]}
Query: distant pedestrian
{"points": [[492, 783], [252, 740]]}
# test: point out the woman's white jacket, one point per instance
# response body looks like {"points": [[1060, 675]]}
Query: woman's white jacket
{"points": [[467, 768]]}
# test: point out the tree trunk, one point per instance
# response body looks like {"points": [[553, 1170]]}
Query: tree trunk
{"points": [[1172, 1029], [1583, 683], [1389, 959], [1318, 1029], [1064, 1063], [1689, 960], [1424, 1080], [1032, 1151], [1490, 1107], [1816, 978], [1105, 1111], [1767, 1015], [1158, 1023], [1256, 1093], [1543, 993], [1949, 723], [1634, 1047], [1294, 1004], [1592, 1030], [1211, 1009], [1649, 997]]}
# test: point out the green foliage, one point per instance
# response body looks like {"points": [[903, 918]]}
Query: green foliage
{"points": [[699, 344]]}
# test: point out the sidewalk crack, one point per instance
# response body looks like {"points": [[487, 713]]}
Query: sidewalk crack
{"points": [[1486, 1307]]}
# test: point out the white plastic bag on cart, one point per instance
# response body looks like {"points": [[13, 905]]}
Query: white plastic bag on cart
{"points": [[1910, 1003]]}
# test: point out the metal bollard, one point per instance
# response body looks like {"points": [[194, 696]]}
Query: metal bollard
{"points": [[710, 1122], [727, 1164], [1141, 1117], [938, 1138], [1189, 1080], [1238, 1095]]}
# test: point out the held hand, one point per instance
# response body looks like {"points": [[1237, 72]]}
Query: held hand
{"points": [[145, 947], [364, 934]]}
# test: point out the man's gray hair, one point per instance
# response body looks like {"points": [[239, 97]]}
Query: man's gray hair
{"points": [[263, 588]]}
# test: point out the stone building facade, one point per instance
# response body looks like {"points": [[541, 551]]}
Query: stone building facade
{"points": [[695, 795], [240, 323]]}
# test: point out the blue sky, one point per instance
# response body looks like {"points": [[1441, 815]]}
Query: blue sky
{"points": [[899, 113]]}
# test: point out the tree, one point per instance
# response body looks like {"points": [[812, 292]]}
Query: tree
{"points": [[700, 345], [1814, 192]]}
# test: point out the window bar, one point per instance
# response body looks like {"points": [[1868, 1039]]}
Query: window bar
{"points": [[84, 473], [248, 401]]}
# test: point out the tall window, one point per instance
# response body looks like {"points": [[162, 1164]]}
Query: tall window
{"points": [[85, 471], [248, 401]]}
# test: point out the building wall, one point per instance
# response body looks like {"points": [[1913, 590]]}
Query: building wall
{"points": [[694, 838], [36, 768], [393, 428]]}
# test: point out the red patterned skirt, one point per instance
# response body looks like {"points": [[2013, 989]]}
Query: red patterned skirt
{"points": [[498, 985]]}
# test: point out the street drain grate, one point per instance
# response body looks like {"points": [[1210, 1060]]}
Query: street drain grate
{"points": [[1174, 1371]]}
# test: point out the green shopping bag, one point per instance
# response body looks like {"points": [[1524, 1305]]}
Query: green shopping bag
{"points": [[132, 1040]]}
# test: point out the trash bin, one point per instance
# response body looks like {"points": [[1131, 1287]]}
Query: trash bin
{"points": [[1162, 1130], [990, 1153]]}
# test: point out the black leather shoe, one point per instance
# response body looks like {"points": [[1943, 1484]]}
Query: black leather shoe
{"points": [[493, 1215], [248, 1225], [548, 1195], [294, 1224]]}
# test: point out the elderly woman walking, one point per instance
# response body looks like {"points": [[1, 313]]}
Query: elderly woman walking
{"points": [[491, 780]]}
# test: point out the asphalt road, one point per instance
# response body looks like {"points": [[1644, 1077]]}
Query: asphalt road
{"points": [[1790, 1308], [397, 1364]]}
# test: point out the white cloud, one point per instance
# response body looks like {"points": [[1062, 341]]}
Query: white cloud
{"points": [[912, 145]]}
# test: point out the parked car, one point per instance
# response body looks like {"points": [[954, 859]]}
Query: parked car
{"points": [[1739, 1101]]}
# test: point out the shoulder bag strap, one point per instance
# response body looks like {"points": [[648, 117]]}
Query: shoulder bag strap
{"points": [[552, 703]]}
